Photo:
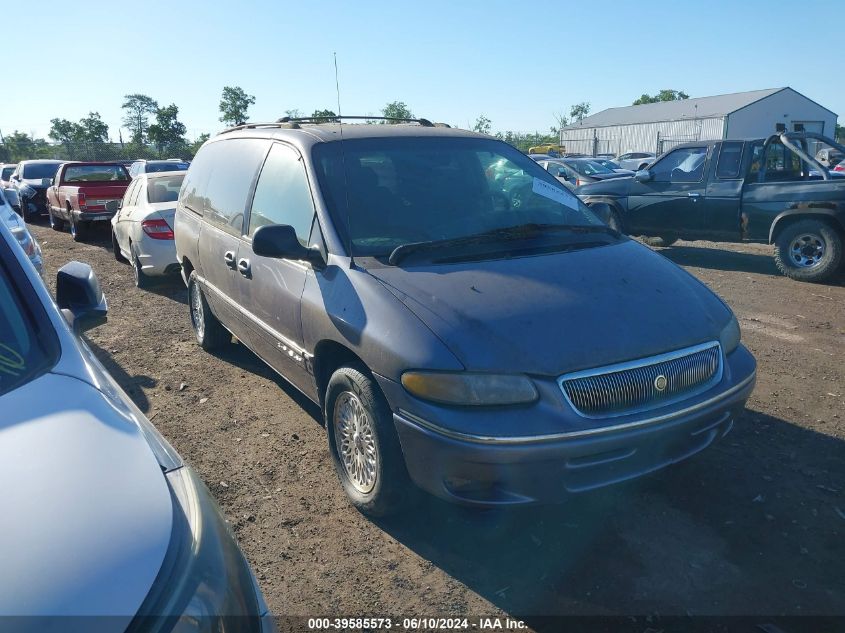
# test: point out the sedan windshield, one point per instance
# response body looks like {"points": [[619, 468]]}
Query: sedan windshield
{"points": [[390, 192], [36, 171]]}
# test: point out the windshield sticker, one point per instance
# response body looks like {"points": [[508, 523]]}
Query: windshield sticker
{"points": [[547, 190], [11, 362]]}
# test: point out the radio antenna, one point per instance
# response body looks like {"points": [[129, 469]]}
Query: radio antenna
{"points": [[343, 162]]}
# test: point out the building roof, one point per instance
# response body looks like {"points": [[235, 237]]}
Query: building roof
{"points": [[700, 108]]}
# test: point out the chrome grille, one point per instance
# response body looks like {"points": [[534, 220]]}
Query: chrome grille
{"points": [[632, 387]]}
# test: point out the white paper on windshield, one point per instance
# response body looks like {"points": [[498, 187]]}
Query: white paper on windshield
{"points": [[547, 190]]}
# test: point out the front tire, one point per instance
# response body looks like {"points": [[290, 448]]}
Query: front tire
{"points": [[209, 332], [659, 240], [809, 250], [363, 443]]}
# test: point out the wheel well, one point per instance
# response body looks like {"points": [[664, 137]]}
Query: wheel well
{"points": [[789, 220], [328, 356], [612, 208], [187, 269]]}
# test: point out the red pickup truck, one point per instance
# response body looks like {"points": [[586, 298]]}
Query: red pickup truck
{"points": [[79, 193]]}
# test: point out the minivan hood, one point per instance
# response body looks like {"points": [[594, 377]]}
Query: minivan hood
{"points": [[552, 314], [88, 512]]}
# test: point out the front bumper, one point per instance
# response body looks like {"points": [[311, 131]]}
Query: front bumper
{"points": [[35, 204], [490, 470]]}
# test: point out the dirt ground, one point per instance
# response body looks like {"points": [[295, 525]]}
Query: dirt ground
{"points": [[752, 526]]}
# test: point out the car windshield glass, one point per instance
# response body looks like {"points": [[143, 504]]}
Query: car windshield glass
{"points": [[395, 191], [36, 171], [153, 168], [27, 343], [95, 173], [164, 189], [7, 172], [589, 167]]}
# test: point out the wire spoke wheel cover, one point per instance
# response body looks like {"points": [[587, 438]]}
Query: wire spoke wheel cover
{"points": [[197, 311], [355, 441], [807, 250]]}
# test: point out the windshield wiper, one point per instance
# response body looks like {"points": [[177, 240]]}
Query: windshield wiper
{"points": [[518, 231]]}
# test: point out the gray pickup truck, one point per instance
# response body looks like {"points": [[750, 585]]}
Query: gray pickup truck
{"points": [[762, 190]]}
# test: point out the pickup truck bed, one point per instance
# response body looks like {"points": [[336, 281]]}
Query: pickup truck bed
{"points": [[80, 193]]}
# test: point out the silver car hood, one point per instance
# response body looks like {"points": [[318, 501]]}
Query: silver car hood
{"points": [[87, 512]]}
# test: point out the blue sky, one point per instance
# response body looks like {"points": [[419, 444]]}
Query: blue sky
{"points": [[517, 62]]}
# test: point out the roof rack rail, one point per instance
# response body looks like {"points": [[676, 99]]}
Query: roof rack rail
{"points": [[251, 126], [332, 119]]}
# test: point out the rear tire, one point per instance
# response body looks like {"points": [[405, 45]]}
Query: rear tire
{"points": [[655, 240], [364, 445], [142, 281], [78, 230], [809, 250], [55, 223], [209, 332], [116, 249]]}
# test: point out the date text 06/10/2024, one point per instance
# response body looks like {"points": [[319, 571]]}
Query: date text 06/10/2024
{"points": [[417, 624]]}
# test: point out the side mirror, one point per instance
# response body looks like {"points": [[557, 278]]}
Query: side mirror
{"points": [[112, 206], [46, 182], [280, 241], [561, 173], [79, 296], [643, 175]]}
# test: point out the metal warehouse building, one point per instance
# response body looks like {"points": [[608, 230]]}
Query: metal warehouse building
{"points": [[657, 127]]}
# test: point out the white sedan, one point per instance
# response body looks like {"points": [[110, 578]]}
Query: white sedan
{"points": [[142, 227]]}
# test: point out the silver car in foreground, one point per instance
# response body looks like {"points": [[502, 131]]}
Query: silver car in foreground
{"points": [[106, 528]]}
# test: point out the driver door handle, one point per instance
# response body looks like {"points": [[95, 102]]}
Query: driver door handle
{"points": [[229, 259], [694, 195], [243, 267]]}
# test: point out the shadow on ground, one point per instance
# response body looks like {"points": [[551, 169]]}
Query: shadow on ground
{"points": [[750, 526], [133, 385]]}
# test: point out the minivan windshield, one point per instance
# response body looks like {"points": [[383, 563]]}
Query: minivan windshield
{"points": [[405, 190]]}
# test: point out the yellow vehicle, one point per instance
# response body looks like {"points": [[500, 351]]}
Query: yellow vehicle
{"points": [[548, 148]]}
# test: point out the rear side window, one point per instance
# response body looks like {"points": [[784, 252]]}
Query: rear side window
{"points": [[221, 178], [282, 195], [730, 159]]}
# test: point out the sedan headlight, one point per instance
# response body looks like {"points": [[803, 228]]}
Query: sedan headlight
{"points": [[204, 584], [730, 335], [474, 389]]}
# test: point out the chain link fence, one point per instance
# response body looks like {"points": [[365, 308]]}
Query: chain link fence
{"points": [[97, 151]]}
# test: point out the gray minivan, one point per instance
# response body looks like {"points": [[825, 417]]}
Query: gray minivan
{"points": [[493, 354]]}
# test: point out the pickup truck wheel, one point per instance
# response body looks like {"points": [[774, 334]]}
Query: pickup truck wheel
{"points": [[659, 240], [809, 250], [77, 230], [209, 332], [55, 223], [363, 443]]}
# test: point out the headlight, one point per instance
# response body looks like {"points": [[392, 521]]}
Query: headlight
{"points": [[27, 242], [204, 583], [463, 388], [729, 338]]}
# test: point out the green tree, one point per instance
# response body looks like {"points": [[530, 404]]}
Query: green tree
{"points": [[293, 113], [139, 108], [579, 111], [92, 129], [328, 115], [840, 133], [397, 110], [234, 104], [20, 146], [194, 147], [167, 131], [663, 95], [482, 125]]}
